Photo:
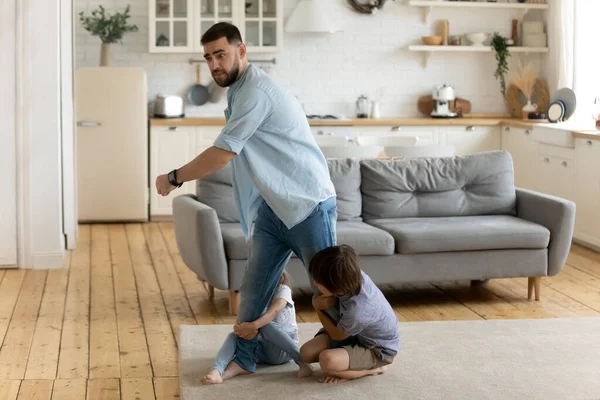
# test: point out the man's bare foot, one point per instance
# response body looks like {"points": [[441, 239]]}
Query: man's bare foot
{"points": [[305, 370], [233, 370], [211, 378], [332, 379]]}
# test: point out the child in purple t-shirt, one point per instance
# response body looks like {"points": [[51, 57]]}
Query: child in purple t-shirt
{"points": [[366, 338]]}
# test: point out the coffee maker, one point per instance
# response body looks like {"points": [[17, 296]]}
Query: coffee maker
{"points": [[442, 96]]}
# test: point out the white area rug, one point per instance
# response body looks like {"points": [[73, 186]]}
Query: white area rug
{"points": [[497, 359]]}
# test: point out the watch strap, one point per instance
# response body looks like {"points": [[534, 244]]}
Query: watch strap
{"points": [[172, 177]]}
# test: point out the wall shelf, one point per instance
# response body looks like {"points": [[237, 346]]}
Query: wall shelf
{"points": [[427, 50], [428, 5]]}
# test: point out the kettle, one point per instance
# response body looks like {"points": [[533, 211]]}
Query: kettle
{"points": [[362, 107]]}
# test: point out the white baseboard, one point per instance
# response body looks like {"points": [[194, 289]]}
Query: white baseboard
{"points": [[53, 260], [7, 262], [587, 241]]}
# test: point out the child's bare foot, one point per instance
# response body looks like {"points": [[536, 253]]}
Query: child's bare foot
{"points": [[211, 378], [233, 370], [332, 379], [305, 370]]}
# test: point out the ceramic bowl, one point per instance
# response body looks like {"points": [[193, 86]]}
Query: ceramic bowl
{"points": [[476, 39]]}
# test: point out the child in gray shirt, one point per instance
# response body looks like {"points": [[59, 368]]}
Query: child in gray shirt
{"points": [[366, 338]]}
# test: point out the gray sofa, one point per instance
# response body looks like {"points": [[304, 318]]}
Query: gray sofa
{"points": [[428, 219]]}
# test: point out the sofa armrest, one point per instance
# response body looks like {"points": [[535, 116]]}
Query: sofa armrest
{"points": [[556, 214], [199, 239]]}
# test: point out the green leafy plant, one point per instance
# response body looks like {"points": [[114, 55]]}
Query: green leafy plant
{"points": [[110, 28], [501, 48]]}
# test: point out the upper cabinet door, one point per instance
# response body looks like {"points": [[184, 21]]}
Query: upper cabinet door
{"points": [[263, 25], [209, 13], [170, 26]]}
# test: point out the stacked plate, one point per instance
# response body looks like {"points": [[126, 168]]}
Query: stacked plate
{"points": [[562, 105]]}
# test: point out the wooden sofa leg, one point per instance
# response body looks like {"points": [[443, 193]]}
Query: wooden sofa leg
{"points": [[234, 302], [534, 283], [211, 291]]}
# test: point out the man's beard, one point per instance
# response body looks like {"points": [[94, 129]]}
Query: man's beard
{"points": [[229, 78]]}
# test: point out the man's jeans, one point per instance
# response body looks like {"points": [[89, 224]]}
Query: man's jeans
{"points": [[272, 247]]}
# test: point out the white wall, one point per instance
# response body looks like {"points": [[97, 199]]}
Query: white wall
{"points": [[8, 163], [328, 72], [39, 186]]}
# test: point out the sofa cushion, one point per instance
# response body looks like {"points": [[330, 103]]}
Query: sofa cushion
{"points": [[345, 175], [439, 234], [476, 184], [367, 240], [216, 191]]}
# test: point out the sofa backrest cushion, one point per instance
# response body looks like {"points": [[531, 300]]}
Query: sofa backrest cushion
{"points": [[345, 175], [216, 191], [477, 184]]}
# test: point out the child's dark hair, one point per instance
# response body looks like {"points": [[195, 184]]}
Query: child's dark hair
{"points": [[337, 269]]}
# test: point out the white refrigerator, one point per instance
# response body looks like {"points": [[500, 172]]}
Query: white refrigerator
{"points": [[111, 109]]}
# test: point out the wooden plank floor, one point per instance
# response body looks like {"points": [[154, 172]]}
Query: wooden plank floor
{"points": [[105, 326]]}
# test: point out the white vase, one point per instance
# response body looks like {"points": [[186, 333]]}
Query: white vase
{"points": [[527, 108]]}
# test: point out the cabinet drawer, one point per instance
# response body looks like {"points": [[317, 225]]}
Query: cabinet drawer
{"points": [[472, 139], [173, 129], [422, 132], [556, 151], [332, 130]]}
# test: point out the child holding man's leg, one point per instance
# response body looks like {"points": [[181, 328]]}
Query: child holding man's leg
{"points": [[365, 340]]}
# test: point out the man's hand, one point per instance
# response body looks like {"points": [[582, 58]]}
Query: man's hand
{"points": [[163, 187], [323, 303], [245, 330]]}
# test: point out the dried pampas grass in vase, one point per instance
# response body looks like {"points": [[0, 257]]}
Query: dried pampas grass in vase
{"points": [[525, 80]]}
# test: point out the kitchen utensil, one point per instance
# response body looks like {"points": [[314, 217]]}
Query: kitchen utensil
{"points": [[532, 27], [216, 92], [362, 107], [167, 106], [444, 31], [432, 40], [442, 97], [477, 39], [568, 100], [535, 40], [375, 110], [460, 106], [198, 94], [455, 40]]}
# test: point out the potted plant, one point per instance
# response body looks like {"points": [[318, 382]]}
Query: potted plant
{"points": [[110, 28], [500, 47]]}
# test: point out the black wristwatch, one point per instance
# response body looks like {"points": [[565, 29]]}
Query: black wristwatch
{"points": [[172, 177]]}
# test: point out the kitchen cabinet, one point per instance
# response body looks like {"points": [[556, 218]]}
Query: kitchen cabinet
{"points": [[523, 149], [555, 176], [587, 190], [472, 139], [171, 26], [170, 147], [426, 133], [176, 26]]}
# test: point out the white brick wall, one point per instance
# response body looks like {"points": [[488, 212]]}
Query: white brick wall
{"points": [[328, 72]]}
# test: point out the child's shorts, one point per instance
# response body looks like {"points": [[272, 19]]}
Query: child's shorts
{"points": [[361, 357]]}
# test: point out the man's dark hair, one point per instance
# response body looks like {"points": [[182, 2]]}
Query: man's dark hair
{"points": [[222, 29], [337, 269]]}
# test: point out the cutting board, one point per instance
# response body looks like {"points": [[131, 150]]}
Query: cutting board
{"points": [[425, 105]]}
